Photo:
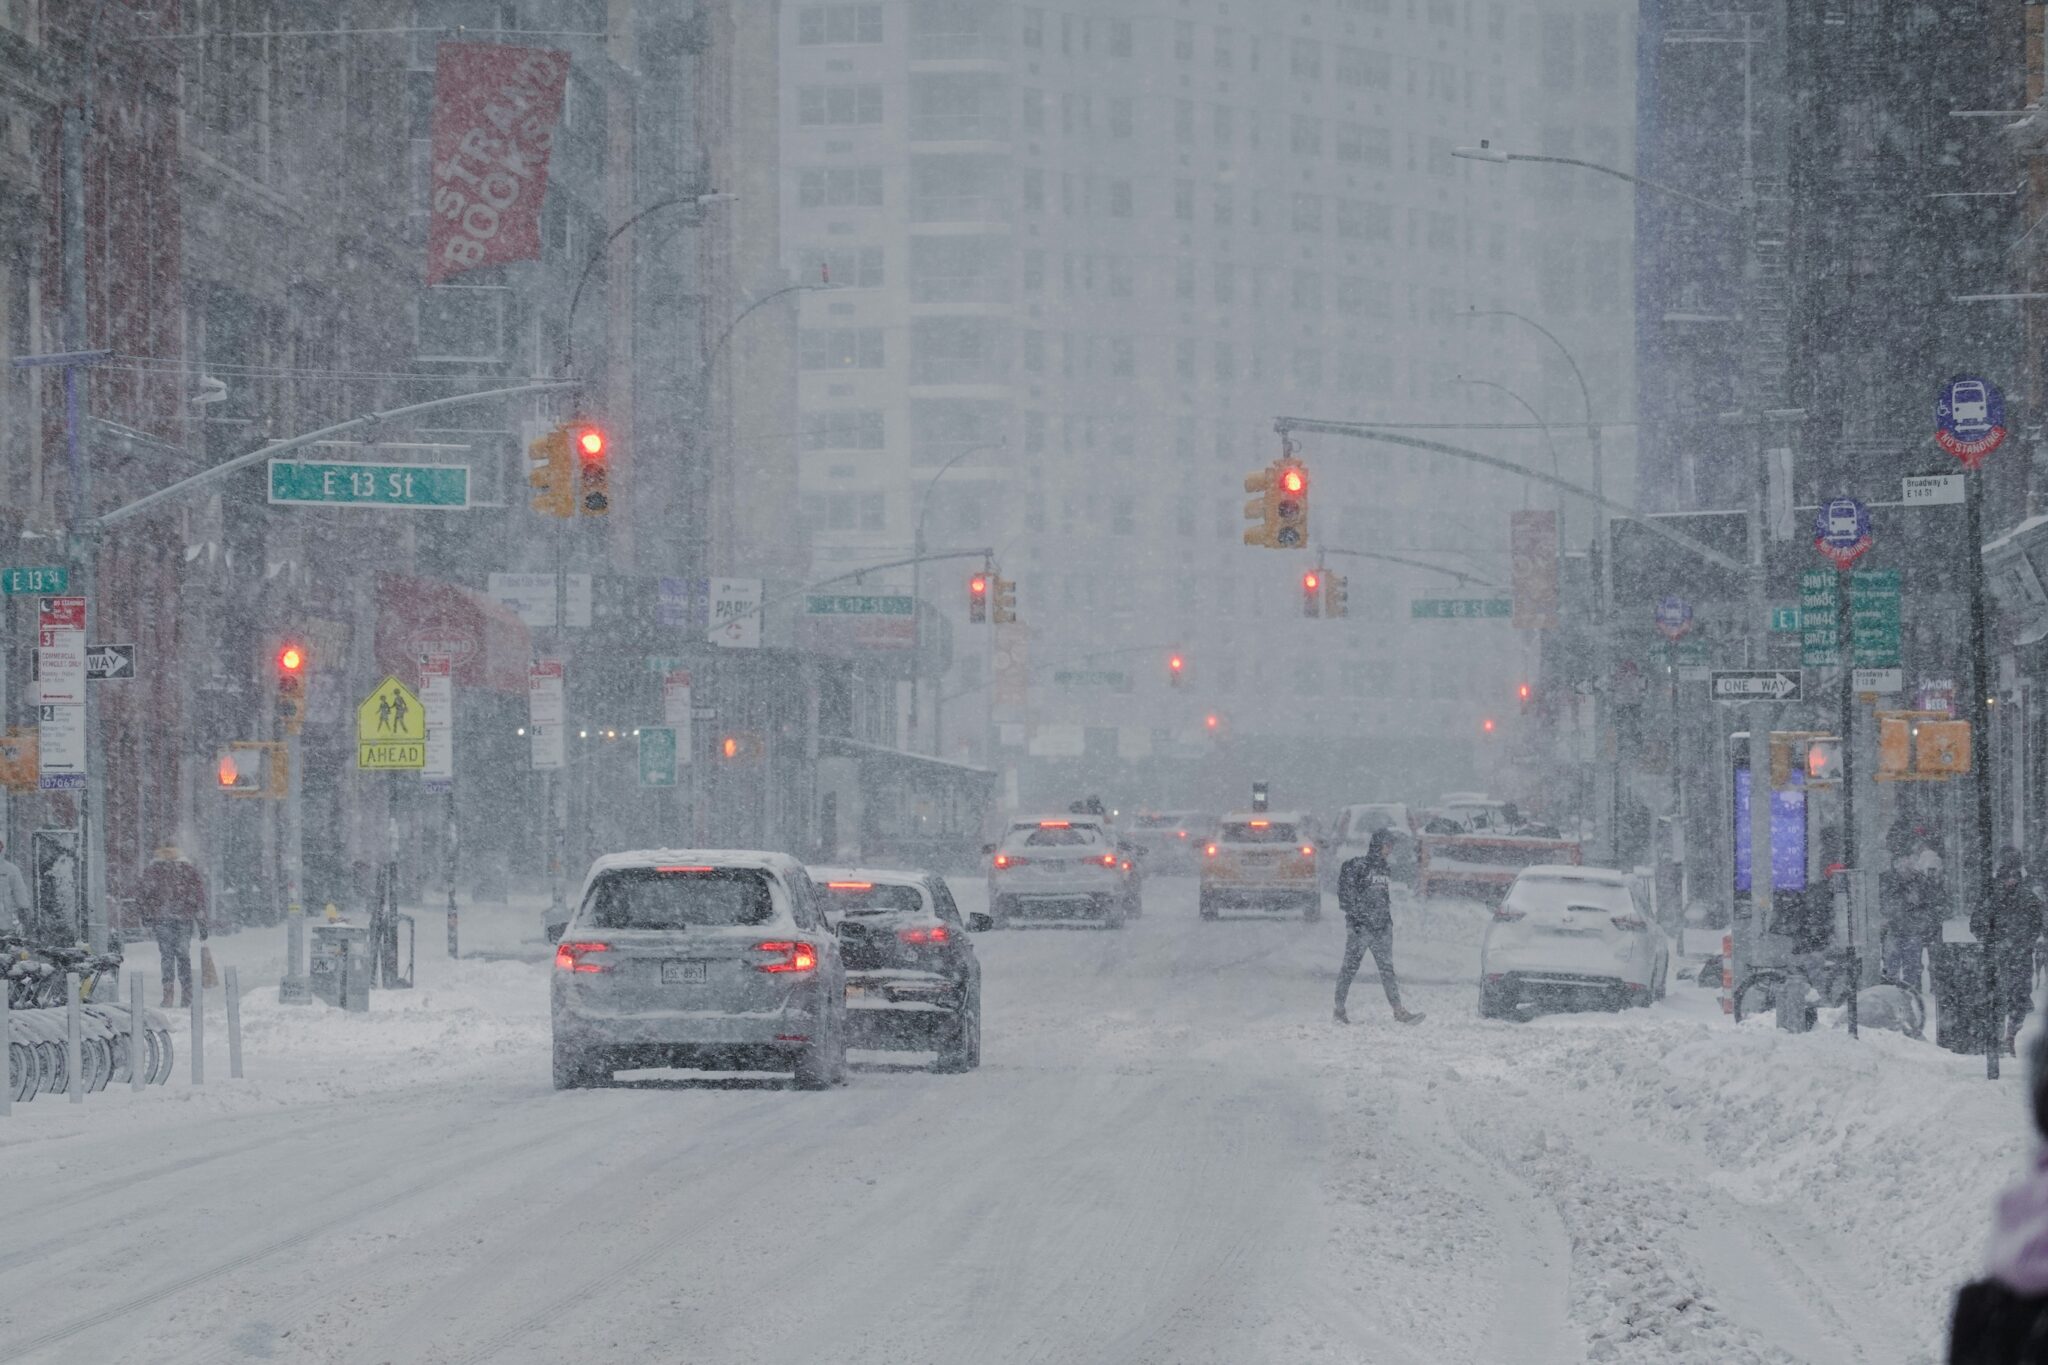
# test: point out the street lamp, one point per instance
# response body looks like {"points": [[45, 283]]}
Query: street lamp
{"points": [[917, 546], [603, 248]]}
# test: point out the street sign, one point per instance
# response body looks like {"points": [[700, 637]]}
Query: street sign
{"points": [[1874, 618], [1880, 680], [657, 756], [1674, 617], [1113, 679], [109, 663], [60, 747], [1784, 620], [437, 702], [1461, 608], [1841, 530], [531, 597], [391, 729], [856, 604], [1771, 684], [328, 484], [1969, 419], [678, 710], [546, 714], [52, 579], [1817, 630], [1931, 490], [736, 613]]}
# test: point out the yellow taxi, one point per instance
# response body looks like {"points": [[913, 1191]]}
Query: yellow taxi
{"points": [[1261, 860]]}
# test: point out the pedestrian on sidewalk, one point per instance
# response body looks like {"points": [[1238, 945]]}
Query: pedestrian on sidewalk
{"points": [[2012, 920], [2002, 1319], [1364, 894], [173, 901], [17, 911]]}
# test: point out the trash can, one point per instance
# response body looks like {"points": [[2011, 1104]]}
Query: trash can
{"points": [[1964, 1020], [339, 966]]}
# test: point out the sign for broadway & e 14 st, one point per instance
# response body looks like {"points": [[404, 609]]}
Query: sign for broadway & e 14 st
{"points": [[1460, 608], [1771, 684], [369, 485], [858, 604]]}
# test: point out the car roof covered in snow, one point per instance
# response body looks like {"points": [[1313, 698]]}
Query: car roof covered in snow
{"points": [[715, 857]]}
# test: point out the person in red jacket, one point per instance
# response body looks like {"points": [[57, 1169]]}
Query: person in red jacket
{"points": [[173, 903]]}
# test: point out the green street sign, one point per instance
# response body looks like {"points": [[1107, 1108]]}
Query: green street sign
{"points": [[52, 580], [369, 485], [1784, 620], [1460, 608], [657, 756], [859, 604], [1817, 629], [1092, 677], [1874, 617]]}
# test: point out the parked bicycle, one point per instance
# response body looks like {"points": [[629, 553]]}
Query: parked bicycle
{"points": [[37, 984]]}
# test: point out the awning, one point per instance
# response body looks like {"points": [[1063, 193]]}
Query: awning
{"points": [[936, 770]]}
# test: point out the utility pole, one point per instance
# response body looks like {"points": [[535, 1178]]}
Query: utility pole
{"points": [[1979, 714]]}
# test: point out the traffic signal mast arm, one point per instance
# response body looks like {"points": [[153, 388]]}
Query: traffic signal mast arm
{"points": [[984, 553], [1461, 575], [1367, 432]]}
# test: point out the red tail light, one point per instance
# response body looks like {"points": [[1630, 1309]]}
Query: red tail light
{"points": [[1182, 833], [569, 957], [1506, 916], [1004, 860], [1633, 923], [795, 956], [1210, 851], [1308, 850], [936, 934], [1109, 860]]}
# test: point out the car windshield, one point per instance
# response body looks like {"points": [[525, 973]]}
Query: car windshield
{"points": [[679, 898], [1257, 832], [871, 898]]}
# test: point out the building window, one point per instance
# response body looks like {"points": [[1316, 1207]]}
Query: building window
{"points": [[1365, 221], [1120, 282], [1122, 116], [1034, 272], [1223, 125], [843, 429], [1226, 363], [838, 106], [1223, 62], [1034, 352], [841, 348], [1308, 292], [957, 107], [846, 267], [1442, 232], [942, 429], [1306, 62], [1184, 201], [1557, 54], [1358, 297], [1226, 283], [1123, 515], [839, 187], [1123, 358], [1183, 40], [956, 270], [942, 29], [1034, 111], [1120, 39], [954, 351], [874, 511], [817, 25], [1308, 213], [1034, 190], [1184, 121], [1360, 68], [1120, 199], [1184, 361], [1308, 136], [956, 189]]}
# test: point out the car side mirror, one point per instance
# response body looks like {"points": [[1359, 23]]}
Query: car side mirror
{"points": [[979, 921]]}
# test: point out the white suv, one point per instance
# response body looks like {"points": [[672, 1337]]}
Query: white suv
{"points": [[1566, 934], [711, 959], [1058, 865]]}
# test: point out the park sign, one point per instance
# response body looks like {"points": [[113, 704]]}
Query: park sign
{"points": [[1969, 419], [323, 483], [391, 729]]}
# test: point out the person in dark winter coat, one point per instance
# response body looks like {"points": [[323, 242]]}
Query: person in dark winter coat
{"points": [[2011, 923], [2002, 1319], [172, 900], [1364, 895]]}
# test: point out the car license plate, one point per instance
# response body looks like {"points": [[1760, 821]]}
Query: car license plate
{"points": [[682, 973]]}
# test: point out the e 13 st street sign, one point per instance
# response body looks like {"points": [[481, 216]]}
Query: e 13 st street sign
{"points": [[369, 485]]}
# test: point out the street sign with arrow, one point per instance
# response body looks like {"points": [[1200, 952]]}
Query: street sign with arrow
{"points": [[109, 663], [1771, 684]]}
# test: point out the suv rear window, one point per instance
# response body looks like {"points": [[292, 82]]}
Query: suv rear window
{"points": [[1262, 832], [871, 898], [1060, 836], [679, 898]]}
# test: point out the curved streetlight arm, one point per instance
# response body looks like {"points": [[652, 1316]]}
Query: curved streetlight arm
{"points": [[1556, 465], [1459, 574], [1486, 151], [717, 347], [604, 249], [1585, 394], [863, 571], [1366, 432], [924, 502]]}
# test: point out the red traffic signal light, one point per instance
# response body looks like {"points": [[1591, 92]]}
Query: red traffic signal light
{"points": [[1174, 664], [1292, 480], [291, 659], [1213, 720], [594, 469], [229, 772], [1311, 593], [977, 598], [1486, 726], [590, 443]]}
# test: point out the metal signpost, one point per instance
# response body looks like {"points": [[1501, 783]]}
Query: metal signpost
{"points": [[322, 483]]}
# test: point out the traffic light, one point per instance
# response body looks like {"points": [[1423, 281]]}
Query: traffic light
{"points": [[253, 768], [552, 473], [977, 598], [1823, 761], [1486, 726], [1290, 505], [1174, 665], [1260, 510], [1213, 722], [1524, 694], [1312, 593], [594, 468], [1004, 604], [1336, 595], [291, 686]]}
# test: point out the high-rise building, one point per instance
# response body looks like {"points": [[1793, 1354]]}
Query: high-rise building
{"points": [[1087, 259]]}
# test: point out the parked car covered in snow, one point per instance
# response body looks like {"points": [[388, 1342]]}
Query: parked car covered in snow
{"points": [[1566, 935]]}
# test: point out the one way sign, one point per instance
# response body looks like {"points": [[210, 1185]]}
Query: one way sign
{"points": [[1768, 685], [109, 663]]}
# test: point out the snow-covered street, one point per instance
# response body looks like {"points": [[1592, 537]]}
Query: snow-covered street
{"points": [[1169, 1154]]}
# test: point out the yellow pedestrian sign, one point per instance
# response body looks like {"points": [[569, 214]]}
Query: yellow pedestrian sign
{"points": [[391, 728]]}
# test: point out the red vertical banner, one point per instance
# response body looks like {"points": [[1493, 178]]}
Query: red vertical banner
{"points": [[495, 110], [1532, 540]]}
